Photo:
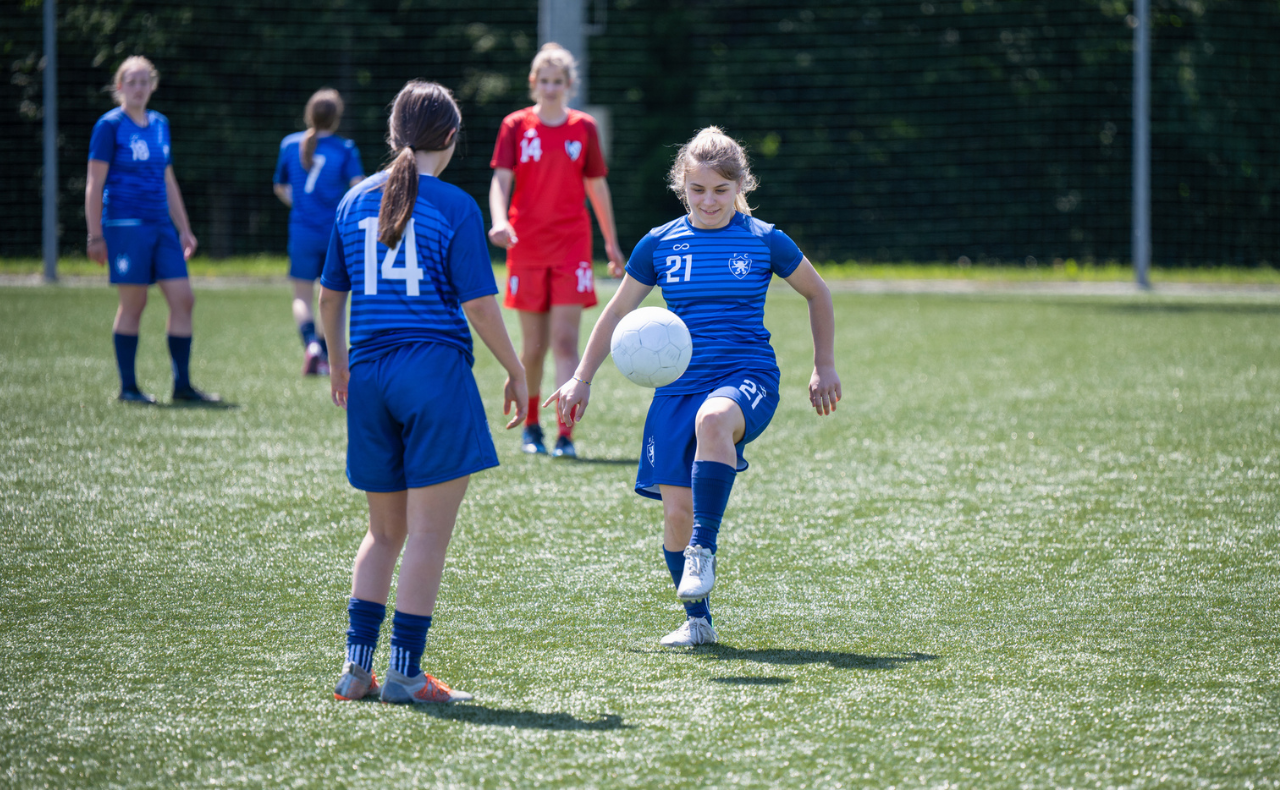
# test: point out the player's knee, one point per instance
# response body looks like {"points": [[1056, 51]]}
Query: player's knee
{"points": [[714, 425], [564, 345]]}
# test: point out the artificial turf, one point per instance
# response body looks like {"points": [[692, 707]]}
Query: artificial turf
{"points": [[1037, 545]]}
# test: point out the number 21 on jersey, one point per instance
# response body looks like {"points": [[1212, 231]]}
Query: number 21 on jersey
{"points": [[411, 272], [674, 264]]}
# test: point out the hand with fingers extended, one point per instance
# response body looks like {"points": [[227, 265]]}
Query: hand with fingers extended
{"points": [[515, 393], [824, 389], [571, 400]]}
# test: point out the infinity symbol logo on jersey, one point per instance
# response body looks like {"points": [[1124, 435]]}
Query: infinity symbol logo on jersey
{"points": [[573, 148], [740, 265]]}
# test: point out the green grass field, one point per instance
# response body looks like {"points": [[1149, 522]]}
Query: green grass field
{"points": [[1037, 546]]}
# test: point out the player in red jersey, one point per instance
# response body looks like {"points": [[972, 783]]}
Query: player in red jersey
{"points": [[551, 154]]}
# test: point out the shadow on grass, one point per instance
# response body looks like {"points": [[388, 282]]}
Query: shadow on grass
{"points": [[1138, 308], [753, 681], [522, 719], [221, 405], [837, 660], [607, 461]]}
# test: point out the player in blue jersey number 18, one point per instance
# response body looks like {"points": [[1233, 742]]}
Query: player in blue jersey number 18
{"points": [[713, 266], [410, 250]]}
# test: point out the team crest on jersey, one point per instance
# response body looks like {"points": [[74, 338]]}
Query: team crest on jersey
{"points": [[649, 450], [573, 148], [122, 263], [141, 152], [531, 146], [740, 265]]}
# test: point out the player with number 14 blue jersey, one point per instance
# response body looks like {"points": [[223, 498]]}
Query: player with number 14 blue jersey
{"points": [[714, 266]]}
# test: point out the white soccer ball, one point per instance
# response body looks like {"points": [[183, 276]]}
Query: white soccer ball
{"points": [[651, 346]]}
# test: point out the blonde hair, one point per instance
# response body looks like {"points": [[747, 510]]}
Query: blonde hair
{"points": [[712, 148], [423, 116], [552, 54], [324, 113], [131, 63]]}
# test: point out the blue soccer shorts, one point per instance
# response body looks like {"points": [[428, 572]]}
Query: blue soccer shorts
{"points": [[306, 254], [414, 419], [140, 253], [670, 439]]}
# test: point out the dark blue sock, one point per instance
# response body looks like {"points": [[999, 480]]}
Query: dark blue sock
{"points": [[362, 634], [675, 564], [180, 352], [126, 353], [324, 347], [308, 331], [408, 640], [712, 484]]}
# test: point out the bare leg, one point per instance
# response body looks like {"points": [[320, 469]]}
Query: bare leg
{"points": [[376, 559], [677, 517], [565, 320], [432, 512], [182, 300], [133, 299], [720, 425], [303, 296], [535, 331]]}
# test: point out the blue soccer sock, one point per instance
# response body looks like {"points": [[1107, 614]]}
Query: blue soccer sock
{"points": [[308, 331], [675, 564], [712, 484], [324, 347], [408, 641], [362, 634], [180, 352], [126, 354]]}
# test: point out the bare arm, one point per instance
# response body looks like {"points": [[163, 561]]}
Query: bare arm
{"points": [[486, 319], [178, 213], [354, 180], [501, 233], [333, 314], [573, 397], [602, 204], [824, 384], [284, 192], [93, 186]]}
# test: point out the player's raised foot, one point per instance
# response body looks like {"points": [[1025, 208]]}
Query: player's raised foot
{"points": [[312, 359], [564, 448], [400, 689], [193, 395], [531, 440], [355, 683], [135, 395], [699, 574], [695, 631]]}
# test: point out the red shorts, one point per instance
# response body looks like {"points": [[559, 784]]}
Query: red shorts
{"points": [[535, 289]]}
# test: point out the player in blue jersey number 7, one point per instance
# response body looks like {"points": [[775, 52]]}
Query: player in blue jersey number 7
{"points": [[713, 266], [411, 252]]}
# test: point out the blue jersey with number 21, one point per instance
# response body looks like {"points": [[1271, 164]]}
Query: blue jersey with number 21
{"points": [[413, 292], [716, 281]]}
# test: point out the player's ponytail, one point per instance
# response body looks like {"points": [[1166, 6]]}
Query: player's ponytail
{"points": [[324, 113], [712, 148], [423, 118]]}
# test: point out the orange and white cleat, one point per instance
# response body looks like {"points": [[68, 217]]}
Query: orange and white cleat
{"points": [[356, 684], [403, 690]]}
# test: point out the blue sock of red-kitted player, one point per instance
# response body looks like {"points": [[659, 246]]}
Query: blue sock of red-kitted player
{"points": [[712, 484]]}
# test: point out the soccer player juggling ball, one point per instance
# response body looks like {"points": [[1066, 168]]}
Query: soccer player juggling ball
{"points": [[315, 168], [138, 225], [410, 250], [713, 266], [552, 153]]}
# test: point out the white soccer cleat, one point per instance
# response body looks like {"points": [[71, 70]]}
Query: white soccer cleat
{"points": [[695, 631], [699, 574]]}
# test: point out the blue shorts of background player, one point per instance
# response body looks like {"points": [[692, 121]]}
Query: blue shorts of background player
{"points": [[670, 439], [306, 254], [404, 409], [141, 253]]}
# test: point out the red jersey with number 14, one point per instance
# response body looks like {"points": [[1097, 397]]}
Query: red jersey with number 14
{"points": [[548, 209]]}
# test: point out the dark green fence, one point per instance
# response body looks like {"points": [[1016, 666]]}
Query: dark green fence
{"points": [[881, 129]]}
